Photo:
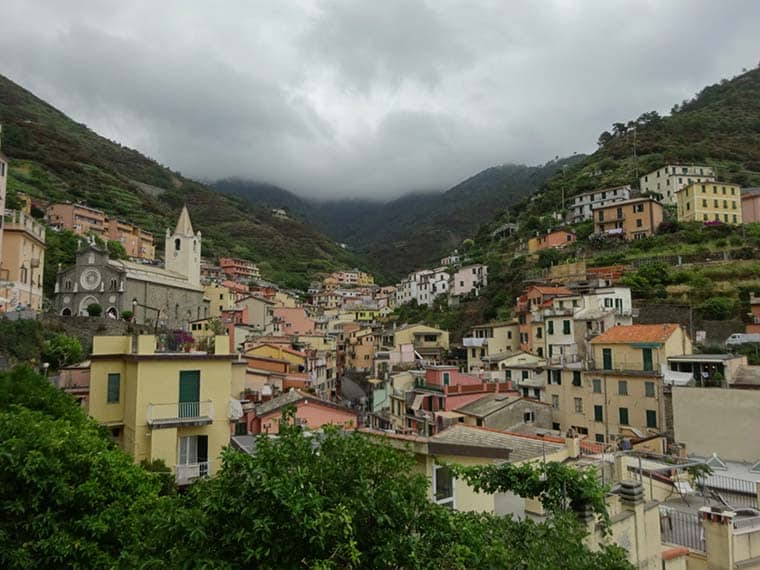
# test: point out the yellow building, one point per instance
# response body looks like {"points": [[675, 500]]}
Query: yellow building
{"points": [[360, 349], [365, 279], [428, 342], [622, 392], [710, 201], [220, 299], [296, 359], [170, 406], [22, 259]]}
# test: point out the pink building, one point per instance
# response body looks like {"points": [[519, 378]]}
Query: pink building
{"points": [[311, 413], [75, 379], [239, 269], [750, 205], [292, 321], [468, 279]]}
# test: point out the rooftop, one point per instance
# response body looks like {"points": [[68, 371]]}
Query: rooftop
{"points": [[487, 405], [624, 334], [522, 447]]}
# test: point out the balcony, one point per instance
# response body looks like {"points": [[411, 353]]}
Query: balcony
{"points": [[474, 341], [178, 414], [188, 472]]}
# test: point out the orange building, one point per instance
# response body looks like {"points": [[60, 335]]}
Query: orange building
{"points": [[137, 242], [239, 269], [78, 218], [556, 239], [311, 413], [632, 219], [533, 298]]}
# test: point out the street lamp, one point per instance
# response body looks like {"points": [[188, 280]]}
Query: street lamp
{"points": [[136, 304]]}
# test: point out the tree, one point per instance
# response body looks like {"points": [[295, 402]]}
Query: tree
{"points": [[116, 250], [604, 138], [62, 350], [70, 498], [94, 310]]}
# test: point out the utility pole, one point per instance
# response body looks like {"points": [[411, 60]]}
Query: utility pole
{"points": [[635, 159]]}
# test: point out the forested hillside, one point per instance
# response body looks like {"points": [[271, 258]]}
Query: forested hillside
{"points": [[417, 229], [55, 158]]}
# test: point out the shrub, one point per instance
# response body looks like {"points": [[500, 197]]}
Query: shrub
{"points": [[718, 308], [127, 315], [94, 310]]}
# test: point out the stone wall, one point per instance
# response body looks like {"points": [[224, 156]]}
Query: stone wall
{"points": [[84, 328]]}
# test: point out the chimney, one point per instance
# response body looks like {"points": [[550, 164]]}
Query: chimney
{"points": [[631, 492], [573, 444]]}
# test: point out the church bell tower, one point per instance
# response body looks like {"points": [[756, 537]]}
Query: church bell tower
{"points": [[182, 250]]}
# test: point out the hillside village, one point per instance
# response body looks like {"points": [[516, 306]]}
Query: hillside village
{"points": [[616, 332]]}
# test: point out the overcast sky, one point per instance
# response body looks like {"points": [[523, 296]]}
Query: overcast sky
{"points": [[367, 98]]}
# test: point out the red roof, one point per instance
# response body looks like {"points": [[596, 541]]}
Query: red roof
{"points": [[624, 334]]}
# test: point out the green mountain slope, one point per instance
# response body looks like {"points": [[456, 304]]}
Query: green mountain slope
{"points": [[55, 158]]}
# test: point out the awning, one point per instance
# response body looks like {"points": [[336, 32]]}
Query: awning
{"points": [[417, 404]]}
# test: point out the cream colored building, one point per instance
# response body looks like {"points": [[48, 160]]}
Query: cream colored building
{"points": [[669, 179], [220, 299], [490, 338], [710, 202], [177, 407], [22, 260]]}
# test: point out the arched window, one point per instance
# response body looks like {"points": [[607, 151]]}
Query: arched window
{"points": [[177, 244], [112, 286], [67, 285], [66, 312]]}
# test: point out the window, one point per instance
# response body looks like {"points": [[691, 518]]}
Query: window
{"points": [[623, 413], [576, 377], [619, 213], [529, 417], [598, 414], [114, 385], [599, 438], [704, 203], [649, 389], [556, 426], [446, 378], [597, 385], [540, 352], [177, 244], [241, 428], [647, 363], [555, 377], [539, 332], [443, 486], [715, 203], [578, 404], [524, 374], [733, 204], [651, 418], [607, 359], [565, 327], [549, 327], [473, 351], [734, 218], [189, 393], [639, 223], [193, 450], [555, 401], [725, 204], [509, 375], [623, 387], [430, 337]]}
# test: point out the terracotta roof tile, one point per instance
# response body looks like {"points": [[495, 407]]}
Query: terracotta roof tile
{"points": [[624, 334], [545, 290]]}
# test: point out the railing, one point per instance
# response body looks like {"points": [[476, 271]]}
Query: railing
{"points": [[180, 411], [684, 529], [472, 341], [737, 492], [186, 473], [746, 524]]}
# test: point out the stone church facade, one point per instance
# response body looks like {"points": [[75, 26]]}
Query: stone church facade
{"points": [[171, 295]]}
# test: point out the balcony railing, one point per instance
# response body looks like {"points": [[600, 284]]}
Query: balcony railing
{"points": [[186, 473], [180, 413], [472, 341]]}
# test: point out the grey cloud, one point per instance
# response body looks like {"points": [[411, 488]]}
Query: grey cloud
{"points": [[350, 98]]}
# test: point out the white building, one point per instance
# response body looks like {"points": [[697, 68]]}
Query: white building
{"points": [[669, 179], [583, 204]]}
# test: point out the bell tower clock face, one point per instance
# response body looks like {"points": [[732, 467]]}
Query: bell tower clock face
{"points": [[90, 279]]}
